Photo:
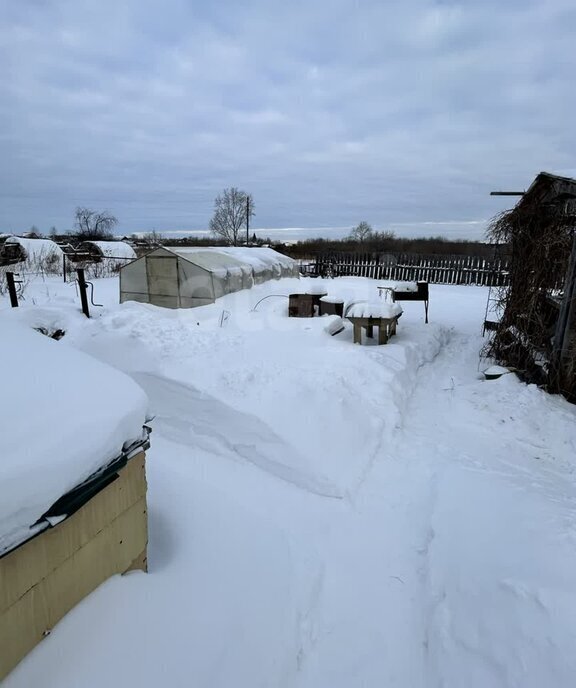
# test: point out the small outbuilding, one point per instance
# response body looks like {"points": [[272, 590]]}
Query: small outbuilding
{"points": [[537, 332], [72, 484], [189, 277], [37, 254], [107, 250]]}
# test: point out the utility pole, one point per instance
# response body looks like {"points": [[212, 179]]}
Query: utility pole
{"points": [[247, 218]]}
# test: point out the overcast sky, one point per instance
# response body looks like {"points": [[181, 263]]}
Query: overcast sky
{"points": [[404, 114]]}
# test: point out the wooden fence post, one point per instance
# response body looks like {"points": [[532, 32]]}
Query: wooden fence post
{"points": [[12, 289], [566, 319], [83, 289]]}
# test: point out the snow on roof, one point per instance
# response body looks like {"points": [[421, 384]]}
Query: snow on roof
{"points": [[114, 249], [209, 259], [65, 416], [36, 249], [259, 258]]}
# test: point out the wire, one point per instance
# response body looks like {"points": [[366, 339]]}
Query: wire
{"points": [[285, 296]]}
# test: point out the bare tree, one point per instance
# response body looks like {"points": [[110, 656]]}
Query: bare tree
{"points": [[94, 224], [384, 235], [362, 232], [152, 238], [232, 210]]}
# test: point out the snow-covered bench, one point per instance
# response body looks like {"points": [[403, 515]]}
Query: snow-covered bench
{"points": [[367, 316]]}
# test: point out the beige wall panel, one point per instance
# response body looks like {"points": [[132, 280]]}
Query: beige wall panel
{"points": [[112, 550], [32, 561]]}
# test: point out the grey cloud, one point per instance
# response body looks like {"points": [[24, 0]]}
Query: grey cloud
{"points": [[329, 112]]}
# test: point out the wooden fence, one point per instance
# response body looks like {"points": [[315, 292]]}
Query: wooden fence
{"points": [[436, 269]]}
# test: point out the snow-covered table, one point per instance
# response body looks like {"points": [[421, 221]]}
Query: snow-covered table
{"points": [[367, 316]]}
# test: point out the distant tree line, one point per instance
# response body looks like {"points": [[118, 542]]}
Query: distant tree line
{"points": [[310, 248], [229, 226]]}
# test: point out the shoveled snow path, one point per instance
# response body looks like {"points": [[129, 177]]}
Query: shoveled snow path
{"points": [[447, 571]]}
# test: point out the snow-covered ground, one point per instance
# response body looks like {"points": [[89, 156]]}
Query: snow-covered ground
{"points": [[324, 514]]}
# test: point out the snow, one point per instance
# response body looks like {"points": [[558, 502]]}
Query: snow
{"points": [[36, 249], [114, 249], [331, 299], [324, 514], [259, 258], [374, 309], [64, 416], [406, 286], [335, 325], [495, 370], [316, 289], [198, 419]]}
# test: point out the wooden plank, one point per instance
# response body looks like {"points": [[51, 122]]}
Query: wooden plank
{"points": [[566, 323], [111, 551], [22, 568]]}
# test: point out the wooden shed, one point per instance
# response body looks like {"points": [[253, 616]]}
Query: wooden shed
{"points": [[537, 332], [57, 545]]}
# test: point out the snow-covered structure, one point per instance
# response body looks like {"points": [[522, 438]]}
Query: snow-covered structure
{"points": [[36, 253], [72, 484], [189, 277], [109, 250], [536, 333]]}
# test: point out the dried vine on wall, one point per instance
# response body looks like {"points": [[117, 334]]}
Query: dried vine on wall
{"points": [[540, 239]]}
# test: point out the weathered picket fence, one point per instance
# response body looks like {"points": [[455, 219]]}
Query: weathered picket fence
{"points": [[411, 267]]}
